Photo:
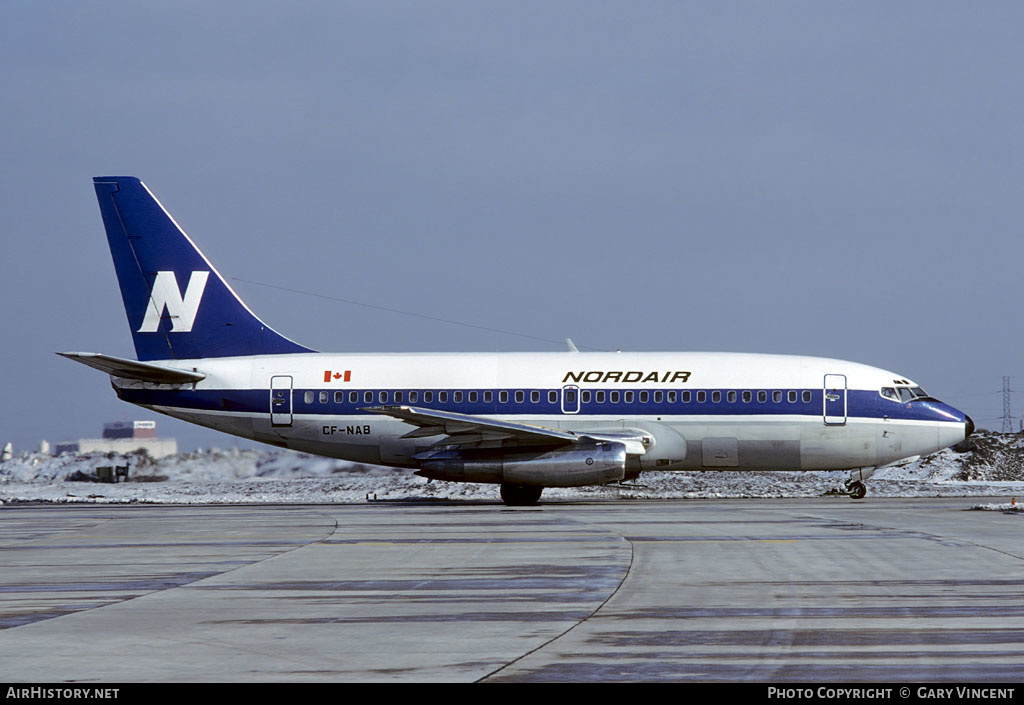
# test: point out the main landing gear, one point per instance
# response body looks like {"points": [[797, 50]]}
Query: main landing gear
{"points": [[520, 495]]}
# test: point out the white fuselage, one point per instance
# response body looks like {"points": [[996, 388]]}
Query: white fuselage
{"points": [[689, 410]]}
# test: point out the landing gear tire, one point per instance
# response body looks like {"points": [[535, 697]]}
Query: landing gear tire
{"points": [[520, 495], [857, 490]]}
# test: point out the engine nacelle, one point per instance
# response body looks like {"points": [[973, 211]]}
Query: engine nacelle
{"points": [[596, 464]]}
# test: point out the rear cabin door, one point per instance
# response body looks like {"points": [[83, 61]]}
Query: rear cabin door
{"points": [[281, 400], [835, 400]]}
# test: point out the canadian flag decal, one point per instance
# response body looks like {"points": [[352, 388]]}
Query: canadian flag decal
{"points": [[330, 375]]}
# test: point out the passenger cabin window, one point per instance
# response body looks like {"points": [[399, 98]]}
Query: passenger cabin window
{"points": [[685, 397], [414, 397], [535, 397], [747, 397], [792, 397], [442, 397], [308, 397], [339, 397], [777, 396], [398, 397], [367, 397], [488, 397], [806, 397], [585, 396], [628, 397], [671, 398], [716, 397], [428, 397], [383, 397], [520, 396], [644, 397], [323, 397], [503, 396], [762, 396], [353, 397], [473, 397], [600, 396], [457, 397], [702, 397], [613, 397], [732, 397]]}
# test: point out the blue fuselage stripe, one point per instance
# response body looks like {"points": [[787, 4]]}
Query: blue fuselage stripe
{"points": [[859, 403]]}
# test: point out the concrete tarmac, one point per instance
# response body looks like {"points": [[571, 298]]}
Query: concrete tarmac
{"points": [[825, 590]]}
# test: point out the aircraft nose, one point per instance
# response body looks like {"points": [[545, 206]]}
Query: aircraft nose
{"points": [[968, 426]]}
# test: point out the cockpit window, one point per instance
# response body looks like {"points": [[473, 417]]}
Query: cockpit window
{"points": [[903, 394]]}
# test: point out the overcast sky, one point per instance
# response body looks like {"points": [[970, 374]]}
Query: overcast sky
{"points": [[840, 179]]}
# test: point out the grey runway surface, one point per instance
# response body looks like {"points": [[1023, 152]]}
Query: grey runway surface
{"points": [[825, 590]]}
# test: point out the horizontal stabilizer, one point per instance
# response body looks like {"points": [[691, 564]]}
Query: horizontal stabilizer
{"points": [[132, 369]]}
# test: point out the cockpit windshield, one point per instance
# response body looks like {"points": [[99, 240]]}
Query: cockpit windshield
{"points": [[904, 394]]}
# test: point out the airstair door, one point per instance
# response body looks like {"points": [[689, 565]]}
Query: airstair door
{"points": [[281, 400]]}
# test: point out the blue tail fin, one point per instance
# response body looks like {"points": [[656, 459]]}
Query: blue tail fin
{"points": [[154, 259]]}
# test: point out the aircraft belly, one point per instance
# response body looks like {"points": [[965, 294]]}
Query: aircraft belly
{"points": [[897, 441], [234, 424], [749, 446], [363, 439], [778, 446], [838, 447], [731, 453]]}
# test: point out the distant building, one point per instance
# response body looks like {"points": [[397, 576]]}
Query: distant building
{"points": [[129, 429], [123, 437]]}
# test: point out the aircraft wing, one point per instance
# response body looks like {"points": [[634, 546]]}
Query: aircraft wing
{"points": [[133, 369], [432, 422], [472, 430]]}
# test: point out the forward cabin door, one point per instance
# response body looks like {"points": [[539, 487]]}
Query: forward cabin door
{"points": [[281, 400], [835, 400]]}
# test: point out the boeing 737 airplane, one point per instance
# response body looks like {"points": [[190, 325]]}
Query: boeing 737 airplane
{"points": [[524, 421]]}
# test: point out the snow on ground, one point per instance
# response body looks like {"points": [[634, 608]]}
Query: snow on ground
{"points": [[1004, 507], [988, 465]]}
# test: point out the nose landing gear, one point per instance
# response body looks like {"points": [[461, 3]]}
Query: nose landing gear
{"points": [[856, 489], [855, 486]]}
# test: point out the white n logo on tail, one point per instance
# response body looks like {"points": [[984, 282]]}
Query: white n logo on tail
{"points": [[166, 294]]}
